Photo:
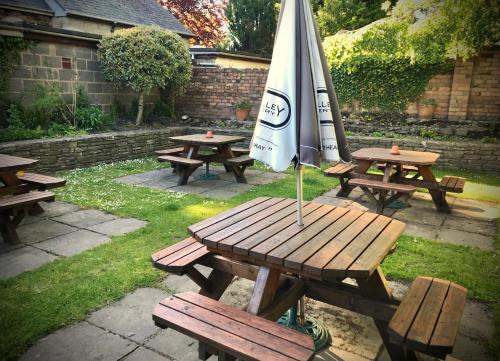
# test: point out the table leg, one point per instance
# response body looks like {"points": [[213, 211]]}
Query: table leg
{"points": [[437, 195], [345, 188], [225, 152], [265, 288], [376, 287], [184, 172], [8, 228]]}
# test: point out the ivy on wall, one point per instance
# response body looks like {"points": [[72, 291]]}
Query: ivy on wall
{"points": [[10, 50], [388, 63]]}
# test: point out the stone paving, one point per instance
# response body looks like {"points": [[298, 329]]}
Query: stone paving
{"points": [[471, 223], [62, 230], [225, 187], [125, 330]]}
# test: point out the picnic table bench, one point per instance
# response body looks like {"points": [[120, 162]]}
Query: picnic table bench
{"points": [[260, 240], [394, 181], [234, 159], [21, 193]]}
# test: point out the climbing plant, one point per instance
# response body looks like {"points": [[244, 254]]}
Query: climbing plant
{"points": [[10, 51], [388, 63]]}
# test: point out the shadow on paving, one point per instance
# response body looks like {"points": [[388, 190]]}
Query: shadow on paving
{"points": [[125, 330]]}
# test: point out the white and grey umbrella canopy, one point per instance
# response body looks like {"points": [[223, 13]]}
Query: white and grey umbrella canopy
{"points": [[299, 119]]}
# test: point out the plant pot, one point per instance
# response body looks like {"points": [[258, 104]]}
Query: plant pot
{"points": [[242, 114], [426, 111]]}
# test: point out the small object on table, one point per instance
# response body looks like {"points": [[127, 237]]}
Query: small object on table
{"points": [[395, 150], [210, 134]]}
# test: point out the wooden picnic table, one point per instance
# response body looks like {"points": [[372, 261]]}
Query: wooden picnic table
{"points": [[21, 192], [261, 241], [224, 154], [333, 244], [394, 172], [10, 168]]}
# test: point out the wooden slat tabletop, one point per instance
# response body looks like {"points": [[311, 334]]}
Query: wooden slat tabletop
{"points": [[407, 157], [201, 139], [333, 243], [12, 163]]}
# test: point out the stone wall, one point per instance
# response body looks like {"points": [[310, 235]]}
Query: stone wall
{"points": [[69, 66], [469, 155], [85, 151]]}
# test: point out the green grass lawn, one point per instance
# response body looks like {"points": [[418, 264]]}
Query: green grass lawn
{"points": [[35, 303]]}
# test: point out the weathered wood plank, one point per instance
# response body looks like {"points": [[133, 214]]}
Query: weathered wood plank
{"points": [[420, 332], [172, 249], [243, 247], [407, 311], [221, 216]]}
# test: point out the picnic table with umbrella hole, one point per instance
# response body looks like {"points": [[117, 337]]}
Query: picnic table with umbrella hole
{"points": [[403, 174], [187, 159], [261, 241], [21, 192]]}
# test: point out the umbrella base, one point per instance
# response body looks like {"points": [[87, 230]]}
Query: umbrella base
{"points": [[398, 204], [208, 176], [312, 327]]}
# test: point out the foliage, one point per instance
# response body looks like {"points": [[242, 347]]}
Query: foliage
{"points": [[205, 19], [244, 104], [388, 63], [50, 115], [439, 29], [336, 15], [252, 25], [371, 66], [10, 48], [145, 58]]}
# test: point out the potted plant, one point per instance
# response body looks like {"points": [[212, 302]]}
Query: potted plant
{"points": [[242, 110], [426, 108]]}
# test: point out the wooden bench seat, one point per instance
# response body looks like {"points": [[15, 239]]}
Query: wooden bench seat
{"points": [[42, 182], [339, 169], [233, 332], [179, 257], [184, 167], [241, 160], [376, 188], [452, 184], [404, 168], [172, 151], [237, 151], [369, 183], [428, 318], [13, 209]]}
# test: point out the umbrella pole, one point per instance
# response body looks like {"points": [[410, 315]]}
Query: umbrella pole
{"points": [[299, 173]]}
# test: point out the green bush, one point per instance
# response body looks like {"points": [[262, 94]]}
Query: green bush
{"points": [[145, 58]]}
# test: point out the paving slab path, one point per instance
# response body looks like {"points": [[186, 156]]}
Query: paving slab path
{"points": [[224, 188], [470, 223], [62, 230], [125, 330]]}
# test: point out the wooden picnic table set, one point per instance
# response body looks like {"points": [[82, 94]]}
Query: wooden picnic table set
{"points": [[21, 192], [186, 159], [260, 240], [403, 172]]}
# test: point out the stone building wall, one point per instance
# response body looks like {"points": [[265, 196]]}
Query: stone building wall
{"points": [[69, 66], [85, 151]]}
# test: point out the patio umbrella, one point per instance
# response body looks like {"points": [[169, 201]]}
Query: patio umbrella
{"points": [[299, 118]]}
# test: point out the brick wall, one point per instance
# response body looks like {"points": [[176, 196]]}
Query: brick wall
{"points": [[213, 92], [85, 151], [44, 63], [470, 91]]}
